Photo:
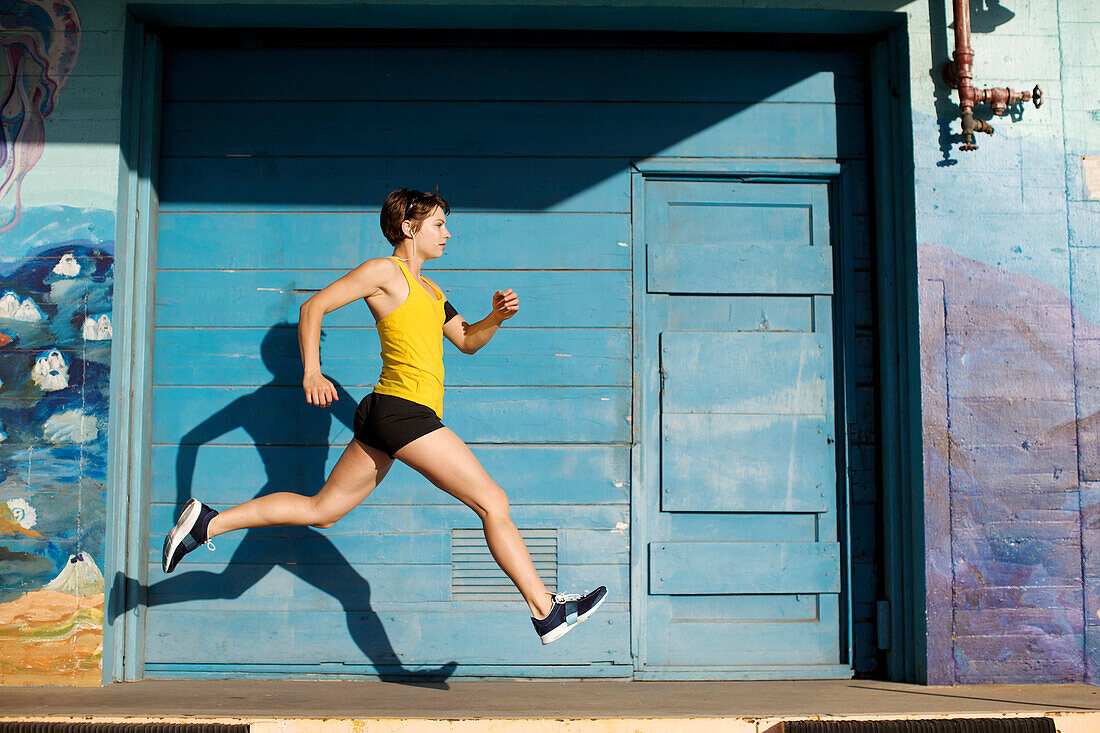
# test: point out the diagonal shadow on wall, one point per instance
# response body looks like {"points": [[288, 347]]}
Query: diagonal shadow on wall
{"points": [[538, 123], [304, 552]]}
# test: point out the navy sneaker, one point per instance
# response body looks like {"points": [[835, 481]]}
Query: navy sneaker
{"points": [[189, 533], [568, 611]]}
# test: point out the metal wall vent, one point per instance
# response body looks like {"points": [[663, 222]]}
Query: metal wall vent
{"points": [[475, 575]]}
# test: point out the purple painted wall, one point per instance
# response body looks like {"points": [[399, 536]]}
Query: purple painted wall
{"points": [[1001, 475], [1010, 362]]}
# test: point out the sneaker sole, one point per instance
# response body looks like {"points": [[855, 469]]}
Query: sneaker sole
{"points": [[183, 526], [566, 627]]}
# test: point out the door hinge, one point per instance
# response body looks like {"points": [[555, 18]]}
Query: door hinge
{"points": [[882, 624]]}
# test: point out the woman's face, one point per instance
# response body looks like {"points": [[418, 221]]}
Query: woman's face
{"points": [[433, 235]]}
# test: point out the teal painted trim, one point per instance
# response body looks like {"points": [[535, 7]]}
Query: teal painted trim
{"points": [[737, 168], [360, 673], [131, 360], [118, 430], [490, 15], [639, 471], [845, 386], [776, 672], [898, 338]]}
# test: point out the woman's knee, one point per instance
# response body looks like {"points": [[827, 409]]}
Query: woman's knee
{"points": [[323, 517], [493, 506]]}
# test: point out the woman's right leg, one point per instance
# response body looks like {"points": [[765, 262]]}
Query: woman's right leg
{"points": [[354, 476]]}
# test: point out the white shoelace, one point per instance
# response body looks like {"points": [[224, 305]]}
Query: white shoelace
{"points": [[209, 545], [563, 597]]}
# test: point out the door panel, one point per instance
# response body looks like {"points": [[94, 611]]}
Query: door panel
{"points": [[754, 237], [744, 422], [744, 463], [762, 373], [743, 568]]}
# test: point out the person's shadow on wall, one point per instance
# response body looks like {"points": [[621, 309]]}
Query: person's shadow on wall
{"points": [[273, 422]]}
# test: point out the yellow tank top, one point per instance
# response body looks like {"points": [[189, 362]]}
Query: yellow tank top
{"points": [[412, 346]]}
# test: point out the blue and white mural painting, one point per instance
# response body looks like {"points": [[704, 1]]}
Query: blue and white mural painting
{"points": [[55, 349]]}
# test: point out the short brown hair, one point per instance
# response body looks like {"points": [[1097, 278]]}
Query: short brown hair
{"points": [[405, 203]]}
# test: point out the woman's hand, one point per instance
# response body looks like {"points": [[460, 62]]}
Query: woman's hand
{"points": [[505, 304], [319, 391]]}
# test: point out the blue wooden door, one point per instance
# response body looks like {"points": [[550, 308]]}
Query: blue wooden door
{"points": [[739, 460]]}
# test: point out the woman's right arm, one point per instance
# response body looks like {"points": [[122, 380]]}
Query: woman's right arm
{"points": [[362, 282]]}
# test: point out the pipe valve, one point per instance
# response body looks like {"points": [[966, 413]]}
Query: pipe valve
{"points": [[1001, 99], [959, 75]]}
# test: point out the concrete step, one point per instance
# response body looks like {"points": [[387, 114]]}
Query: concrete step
{"points": [[1064, 722]]}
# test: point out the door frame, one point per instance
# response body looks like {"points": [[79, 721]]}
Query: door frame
{"points": [[645, 464], [129, 430], [903, 633]]}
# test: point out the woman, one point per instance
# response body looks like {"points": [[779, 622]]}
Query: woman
{"points": [[401, 418]]}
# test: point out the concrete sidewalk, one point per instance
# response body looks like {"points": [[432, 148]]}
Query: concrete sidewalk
{"points": [[596, 705]]}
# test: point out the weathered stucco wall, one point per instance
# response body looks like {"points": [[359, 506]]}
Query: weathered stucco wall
{"points": [[1009, 282], [1006, 319]]}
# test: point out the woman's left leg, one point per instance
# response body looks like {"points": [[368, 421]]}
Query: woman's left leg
{"points": [[447, 462]]}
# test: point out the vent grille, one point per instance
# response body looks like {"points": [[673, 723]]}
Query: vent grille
{"points": [[475, 575]]}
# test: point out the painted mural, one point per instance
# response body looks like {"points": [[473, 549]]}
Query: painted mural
{"points": [[40, 42], [55, 342], [1001, 436], [55, 336], [1010, 360]]}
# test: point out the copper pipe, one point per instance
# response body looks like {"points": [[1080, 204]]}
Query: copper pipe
{"points": [[960, 73]]}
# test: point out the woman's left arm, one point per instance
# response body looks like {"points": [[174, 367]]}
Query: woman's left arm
{"points": [[469, 337]]}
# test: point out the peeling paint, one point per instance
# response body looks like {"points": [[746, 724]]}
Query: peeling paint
{"points": [[1091, 164]]}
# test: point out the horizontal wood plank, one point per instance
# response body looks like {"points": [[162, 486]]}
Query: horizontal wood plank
{"points": [[755, 463], [344, 183], [300, 584], [687, 568], [745, 313], [547, 474], [744, 270], [764, 607], [746, 373], [266, 298], [367, 519], [281, 416], [302, 546], [512, 129], [335, 240], [279, 585], [302, 637], [717, 643], [558, 74], [254, 357]]}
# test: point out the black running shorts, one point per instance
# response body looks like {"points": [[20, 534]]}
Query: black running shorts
{"points": [[390, 423]]}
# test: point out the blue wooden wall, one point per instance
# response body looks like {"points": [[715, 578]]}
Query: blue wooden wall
{"points": [[274, 162]]}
